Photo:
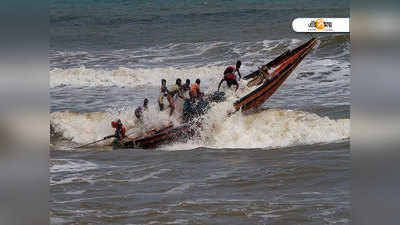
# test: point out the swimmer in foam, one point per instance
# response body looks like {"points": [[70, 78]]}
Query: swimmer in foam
{"points": [[230, 75], [163, 94], [139, 110]]}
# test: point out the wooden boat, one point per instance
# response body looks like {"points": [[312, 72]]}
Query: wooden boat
{"points": [[269, 83], [154, 137]]}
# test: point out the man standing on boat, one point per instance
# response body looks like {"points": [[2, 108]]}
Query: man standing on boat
{"points": [[230, 75]]}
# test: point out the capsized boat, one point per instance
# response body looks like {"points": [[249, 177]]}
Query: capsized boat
{"points": [[269, 83]]}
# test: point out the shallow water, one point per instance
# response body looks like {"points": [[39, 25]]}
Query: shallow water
{"points": [[303, 184]]}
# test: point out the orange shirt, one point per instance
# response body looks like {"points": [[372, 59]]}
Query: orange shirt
{"points": [[194, 90]]}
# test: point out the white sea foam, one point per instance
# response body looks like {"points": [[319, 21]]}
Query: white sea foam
{"points": [[79, 192], [180, 188], [209, 75], [87, 127], [274, 128], [72, 179], [151, 175], [265, 129], [126, 77], [70, 165]]}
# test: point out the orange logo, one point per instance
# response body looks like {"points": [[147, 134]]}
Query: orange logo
{"points": [[320, 24]]}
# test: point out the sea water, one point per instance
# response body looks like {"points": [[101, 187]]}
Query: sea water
{"points": [[287, 163]]}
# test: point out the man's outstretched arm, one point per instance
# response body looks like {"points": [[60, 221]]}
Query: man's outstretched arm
{"points": [[219, 85]]}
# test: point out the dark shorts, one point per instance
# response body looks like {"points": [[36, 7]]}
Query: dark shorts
{"points": [[231, 82], [161, 105]]}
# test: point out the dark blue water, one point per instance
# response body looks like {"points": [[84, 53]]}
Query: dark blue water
{"points": [[98, 25]]}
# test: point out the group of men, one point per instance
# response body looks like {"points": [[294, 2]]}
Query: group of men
{"points": [[188, 93], [179, 90]]}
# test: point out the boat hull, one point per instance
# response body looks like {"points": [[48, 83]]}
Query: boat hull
{"points": [[153, 138], [287, 62]]}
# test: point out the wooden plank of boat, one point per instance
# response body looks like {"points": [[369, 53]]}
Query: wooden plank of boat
{"points": [[260, 78]]}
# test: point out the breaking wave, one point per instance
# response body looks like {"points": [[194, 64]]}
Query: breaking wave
{"points": [[205, 60], [126, 77], [87, 127], [275, 128], [264, 129]]}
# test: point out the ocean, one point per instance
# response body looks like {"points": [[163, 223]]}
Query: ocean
{"points": [[287, 163]]}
